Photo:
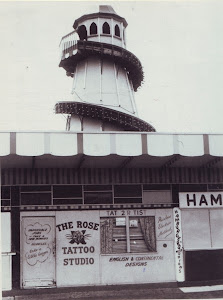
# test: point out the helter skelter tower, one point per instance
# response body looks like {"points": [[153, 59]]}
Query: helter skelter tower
{"points": [[105, 75]]}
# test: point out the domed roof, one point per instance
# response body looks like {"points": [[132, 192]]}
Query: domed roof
{"points": [[104, 11]]}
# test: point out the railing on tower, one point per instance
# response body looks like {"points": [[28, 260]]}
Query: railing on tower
{"points": [[68, 41], [73, 50]]}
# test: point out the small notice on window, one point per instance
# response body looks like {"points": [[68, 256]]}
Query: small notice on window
{"points": [[133, 223], [120, 221]]}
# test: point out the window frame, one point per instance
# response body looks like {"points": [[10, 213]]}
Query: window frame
{"points": [[128, 236]]}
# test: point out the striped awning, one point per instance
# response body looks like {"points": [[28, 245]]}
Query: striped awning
{"points": [[109, 149]]}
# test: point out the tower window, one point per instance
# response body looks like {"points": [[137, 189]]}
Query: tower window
{"points": [[93, 28], [106, 28], [82, 32], [117, 30]]}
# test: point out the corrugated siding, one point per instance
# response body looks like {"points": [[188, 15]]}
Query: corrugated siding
{"points": [[109, 176]]}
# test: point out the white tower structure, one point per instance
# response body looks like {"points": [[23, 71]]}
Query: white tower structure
{"points": [[105, 75]]}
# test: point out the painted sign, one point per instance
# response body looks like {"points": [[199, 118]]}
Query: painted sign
{"points": [[201, 200], [78, 237], [140, 268], [178, 245], [123, 213], [164, 224], [78, 248], [37, 237]]}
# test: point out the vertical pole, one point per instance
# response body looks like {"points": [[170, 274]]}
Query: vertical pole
{"points": [[99, 31], [100, 72], [122, 36], [116, 83], [127, 234], [112, 30]]}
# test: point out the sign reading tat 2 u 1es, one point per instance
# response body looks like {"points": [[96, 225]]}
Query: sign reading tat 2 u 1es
{"points": [[201, 200]]}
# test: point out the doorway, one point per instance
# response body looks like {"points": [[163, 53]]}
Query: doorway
{"points": [[38, 252]]}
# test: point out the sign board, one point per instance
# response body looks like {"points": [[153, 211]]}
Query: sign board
{"points": [[179, 259], [201, 200]]}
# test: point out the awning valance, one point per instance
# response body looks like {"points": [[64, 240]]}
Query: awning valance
{"points": [[110, 149]]}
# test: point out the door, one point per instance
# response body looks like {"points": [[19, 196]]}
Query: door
{"points": [[38, 252]]}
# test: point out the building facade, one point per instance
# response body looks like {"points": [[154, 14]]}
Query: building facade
{"points": [[109, 201]]}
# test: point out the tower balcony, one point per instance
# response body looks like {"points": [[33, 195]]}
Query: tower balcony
{"points": [[72, 51]]}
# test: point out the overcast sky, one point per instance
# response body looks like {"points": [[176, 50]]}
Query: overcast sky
{"points": [[179, 43]]}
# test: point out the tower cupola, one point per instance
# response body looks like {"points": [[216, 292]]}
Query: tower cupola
{"points": [[105, 75], [104, 26]]}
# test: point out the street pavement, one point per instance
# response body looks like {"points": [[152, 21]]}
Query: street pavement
{"points": [[119, 292]]}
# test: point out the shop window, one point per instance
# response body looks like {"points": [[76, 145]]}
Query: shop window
{"points": [[117, 30], [36, 198], [93, 29], [127, 200], [5, 196], [5, 192], [67, 191], [192, 187], [101, 187], [216, 221], [66, 201], [196, 229], [128, 235], [106, 28], [128, 190], [157, 197], [128, 193], [35, 188], [98, 198], [156, 187], [215, 187]]}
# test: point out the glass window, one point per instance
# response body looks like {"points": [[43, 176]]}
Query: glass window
{"points": [[106, 28], [196, 229], [67, 191], [36, 198], [216, 220], [133, 190], [98, 198], [153, 197], [117, 30], [128, 235], [93, 28]]}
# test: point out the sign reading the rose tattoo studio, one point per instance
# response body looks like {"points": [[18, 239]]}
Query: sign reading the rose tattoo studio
{"points": [[77, 233]]}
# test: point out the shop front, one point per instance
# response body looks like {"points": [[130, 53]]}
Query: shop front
{"points": [[202, 219], [72, 248]]}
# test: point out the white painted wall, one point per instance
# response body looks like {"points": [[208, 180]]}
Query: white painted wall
{"points": [[159, 267], [103, 82]]}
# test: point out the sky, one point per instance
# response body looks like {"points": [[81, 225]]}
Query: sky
{"points": [[179, 44]]}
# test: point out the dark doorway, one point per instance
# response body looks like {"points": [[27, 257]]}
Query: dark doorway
{"points": [[204, 265], [82, 32]]}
